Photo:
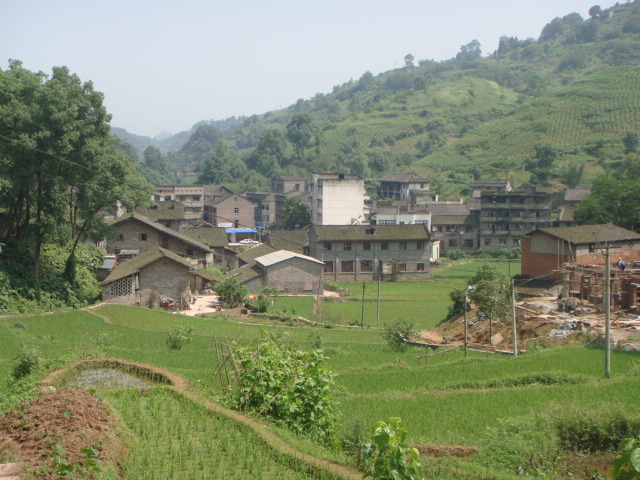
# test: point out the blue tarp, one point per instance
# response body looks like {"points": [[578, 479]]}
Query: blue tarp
{"points": [[241, 230]]}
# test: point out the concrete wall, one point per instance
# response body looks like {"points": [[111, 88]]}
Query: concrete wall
{"points": [[337, 201]]}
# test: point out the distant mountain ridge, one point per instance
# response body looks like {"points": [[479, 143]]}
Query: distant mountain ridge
{"points": [[469, 117]]}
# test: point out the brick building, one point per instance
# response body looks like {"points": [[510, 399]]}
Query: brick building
{"points": [[230, 211], [454, 226], [289, 272], [546, 250], [148, 278], [369, 252], [137, 232]]}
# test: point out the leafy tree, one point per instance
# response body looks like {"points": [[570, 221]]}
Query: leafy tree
{"points": [[300, 132], [612, 200], [595, 11], [220, 166], [408, 60], [296, 215], [232, 291], [546, 155], [63, 166], [201, 142], [490, 293], [631, 142]]}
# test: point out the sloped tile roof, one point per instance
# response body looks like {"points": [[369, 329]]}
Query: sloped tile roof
{"points": [[212, 236], [282, 255], [590, 233], [136, 264], [167, 231], [370, 232], [251, 254]]}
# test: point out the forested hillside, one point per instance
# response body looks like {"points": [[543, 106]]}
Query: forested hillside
{"points": [[572, 93]]}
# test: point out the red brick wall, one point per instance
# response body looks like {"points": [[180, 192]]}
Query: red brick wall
{"points": [[539, 264]]}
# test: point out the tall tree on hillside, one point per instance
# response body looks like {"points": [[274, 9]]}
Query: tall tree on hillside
{"points": [[58, 162], [201, 142], [220, 166], [300, 132], [296, 215], [408, 60], [612, 200]]}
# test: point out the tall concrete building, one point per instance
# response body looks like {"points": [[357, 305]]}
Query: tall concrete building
{"points": [[337, 199]]}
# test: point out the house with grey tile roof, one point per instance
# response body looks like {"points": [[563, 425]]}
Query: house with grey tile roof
{"points": [[289, 272], [136, 232], [546, 250], [149, 278], [371, 252]]}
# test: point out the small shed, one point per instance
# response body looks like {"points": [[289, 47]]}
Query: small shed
{"points": [[148, 278], [289, 272]]}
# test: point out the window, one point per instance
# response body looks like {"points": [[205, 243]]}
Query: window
{"points": [[420, 245], [487, 241], [156, 198], [328, 267], [366, 266], [346, 246], [181, 198], [384, 245], [403, 245], [143, 237], [402, 267], [419, 267], [236, 224], [346, 266], [370, 231], [502, 241], [326, 246], [319, 218], [366, 245], [236, 210], [468, 243], [319, 203], [297, 186], [453, 243], [196, 198], [516, 241], [167, 198], [468, 229], [121, 237]]}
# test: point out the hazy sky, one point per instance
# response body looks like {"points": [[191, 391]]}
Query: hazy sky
{"points": [[165, 65]]}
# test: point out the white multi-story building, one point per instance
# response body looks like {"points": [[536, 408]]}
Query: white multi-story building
{"points": [[337, 199]]}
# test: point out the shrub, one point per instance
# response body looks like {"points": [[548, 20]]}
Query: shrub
{"points": [[27, 361], [397, 333], [387, 456], [232, 291], [178, 337], [627, 463], [289, 386]]}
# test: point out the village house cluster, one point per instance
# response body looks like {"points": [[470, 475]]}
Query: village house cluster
{"points": [[394, 229]]}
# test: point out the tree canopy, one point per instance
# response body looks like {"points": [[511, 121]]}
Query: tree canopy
{"points": [[59, 165]]}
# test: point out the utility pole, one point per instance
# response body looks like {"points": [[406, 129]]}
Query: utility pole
{"points": [[607, 312], [466, 290], [362, 315], [513, 318], [378, 306]]}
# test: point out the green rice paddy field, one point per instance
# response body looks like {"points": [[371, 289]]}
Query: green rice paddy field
{"points": [[443, 399]]}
